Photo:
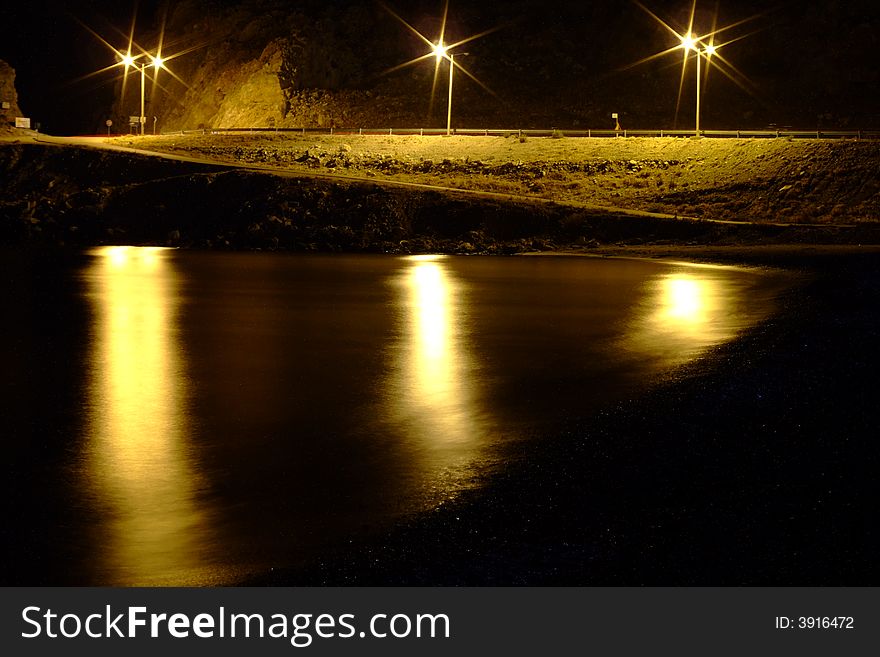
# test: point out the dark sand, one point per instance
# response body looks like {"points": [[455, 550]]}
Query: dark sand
{"points": [[755, 465]]}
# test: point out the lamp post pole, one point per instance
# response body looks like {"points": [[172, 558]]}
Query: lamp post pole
{"points": [[142, 118], [689, 42], [128, 61], [441, 52], [449, 105], [699, 57], [451, 59]]}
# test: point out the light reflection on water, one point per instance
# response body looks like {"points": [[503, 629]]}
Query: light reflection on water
{"points": [[241, 409], [688, 310], [138, 467], [429, 395]]}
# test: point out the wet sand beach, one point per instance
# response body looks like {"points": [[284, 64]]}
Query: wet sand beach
{"points": [[752, 466]]}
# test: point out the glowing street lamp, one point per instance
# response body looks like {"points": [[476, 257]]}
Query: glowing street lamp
{"points": [[690, 42], [141, 61], [704, 46], [442, 52], [156, 62]]}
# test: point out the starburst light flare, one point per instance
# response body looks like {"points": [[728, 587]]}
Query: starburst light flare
{"points": [[700, 47], [440, 50]]}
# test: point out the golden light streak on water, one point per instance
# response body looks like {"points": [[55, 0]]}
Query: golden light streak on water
{"points": [[139, 472], [685, 302], [431, 391], [687, 311], [438, 388]]}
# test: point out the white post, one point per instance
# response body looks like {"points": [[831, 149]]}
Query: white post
{"points": [[449, 109], [699, 57], [142, 117]]}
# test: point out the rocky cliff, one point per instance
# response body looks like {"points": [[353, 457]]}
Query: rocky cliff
{"points": [[560, 63], [9, 108], [271, 63]]}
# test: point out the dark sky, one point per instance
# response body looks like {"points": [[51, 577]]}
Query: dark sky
{"points": [[51, 52], [808, 58]]}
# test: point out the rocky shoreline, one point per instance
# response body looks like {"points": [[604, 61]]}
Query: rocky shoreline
{"points": [[752, 466]]}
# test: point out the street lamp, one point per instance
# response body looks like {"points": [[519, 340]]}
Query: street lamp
{"points": [[156, 62], [442, 52], [690, 42]]}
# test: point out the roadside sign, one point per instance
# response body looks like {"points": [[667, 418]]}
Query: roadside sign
{"points": [[21, 122]]}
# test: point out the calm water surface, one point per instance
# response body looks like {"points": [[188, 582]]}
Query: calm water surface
{"points": [[190, 418]]}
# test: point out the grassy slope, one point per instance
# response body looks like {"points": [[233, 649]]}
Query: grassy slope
{"points": [[772, 180]]}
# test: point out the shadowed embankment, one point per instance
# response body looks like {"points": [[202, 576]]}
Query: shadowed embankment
{"points": [[66, 195]]}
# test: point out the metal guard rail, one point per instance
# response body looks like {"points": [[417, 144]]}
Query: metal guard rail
{"points": [[503, 132]]}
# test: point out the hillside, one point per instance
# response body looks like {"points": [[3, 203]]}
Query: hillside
{"points": [[356, 194], [765, 180]]}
